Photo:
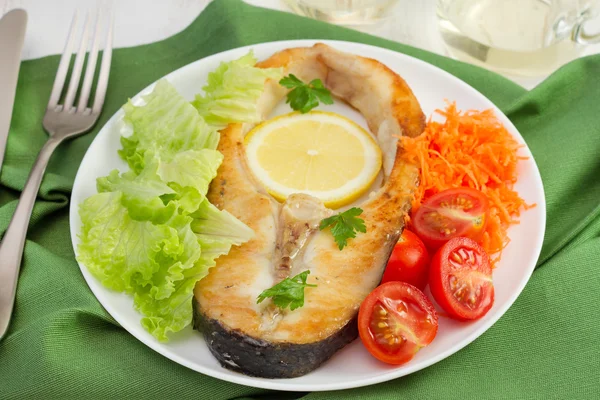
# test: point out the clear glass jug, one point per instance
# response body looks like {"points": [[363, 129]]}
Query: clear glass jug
{"points": [[517, 37]]}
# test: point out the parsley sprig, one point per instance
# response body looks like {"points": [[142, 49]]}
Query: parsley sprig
{"points": [[304, 97], [288, 293], [345, 225]]}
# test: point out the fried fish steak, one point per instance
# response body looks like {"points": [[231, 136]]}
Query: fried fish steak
{"points": [[261, 339]]}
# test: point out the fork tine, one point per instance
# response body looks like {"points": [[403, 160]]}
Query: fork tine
{"points": [[78, 66], [104, 68], [63, 66], [90, 69]]}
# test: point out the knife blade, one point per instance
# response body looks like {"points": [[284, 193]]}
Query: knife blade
{"points": [[12, 35]]}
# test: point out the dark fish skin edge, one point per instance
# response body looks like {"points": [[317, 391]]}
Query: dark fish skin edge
{"points": [[257, 357], [260, 358]]}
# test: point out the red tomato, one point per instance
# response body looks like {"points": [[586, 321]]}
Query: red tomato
{"points": [[451, 213], [395, 321], [409, 261], [460, 279]]}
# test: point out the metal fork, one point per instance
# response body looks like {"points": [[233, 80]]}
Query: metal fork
{"points": [[61, 122]]}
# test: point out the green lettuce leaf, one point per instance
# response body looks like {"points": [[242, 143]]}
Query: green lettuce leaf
{"points": [[164, 126], [125, 254], [162, 188], [158, 263], [217, 230], [141, 195], [137, 234], [233, 90], [155, 263], [194, 168], [170, 314]]}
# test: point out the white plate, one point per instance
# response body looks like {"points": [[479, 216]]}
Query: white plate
{"points": [[352, 366]]}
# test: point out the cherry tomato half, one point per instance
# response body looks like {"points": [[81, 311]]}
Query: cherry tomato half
{"points": [[409, 261], [451, 213], [395, 321], [460, 279]]}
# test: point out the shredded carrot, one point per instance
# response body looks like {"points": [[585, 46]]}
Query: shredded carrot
{"points": [[473, 149]]}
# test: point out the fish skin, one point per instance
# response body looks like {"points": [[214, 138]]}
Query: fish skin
{"points": [[257, 357], [225, 301]]}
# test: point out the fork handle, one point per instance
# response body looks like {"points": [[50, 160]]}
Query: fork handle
{"points": [[11, 247]]}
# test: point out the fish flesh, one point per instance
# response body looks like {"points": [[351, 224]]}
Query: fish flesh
{"points": [[261, 339]]}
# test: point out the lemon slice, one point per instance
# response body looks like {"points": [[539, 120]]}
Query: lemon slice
{"points": [[318, 153]]}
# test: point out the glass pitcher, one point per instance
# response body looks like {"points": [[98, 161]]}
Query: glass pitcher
{"points": [[517, 37]]}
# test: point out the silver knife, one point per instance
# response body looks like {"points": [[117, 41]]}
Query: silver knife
{"points": [[12, 35]]}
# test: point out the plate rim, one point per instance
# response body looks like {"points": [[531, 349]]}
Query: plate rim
{"points": [[287, 384]]}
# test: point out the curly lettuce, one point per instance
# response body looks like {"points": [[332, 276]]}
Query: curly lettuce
{"points": [[164, 126], [150, 231], [233, 91]]}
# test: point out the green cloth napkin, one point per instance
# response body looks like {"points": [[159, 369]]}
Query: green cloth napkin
{"points": [[62, 344]]}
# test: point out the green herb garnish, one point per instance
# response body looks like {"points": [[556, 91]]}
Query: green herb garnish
{"points": [[345, 225], [304, 97], [288, 293]]}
